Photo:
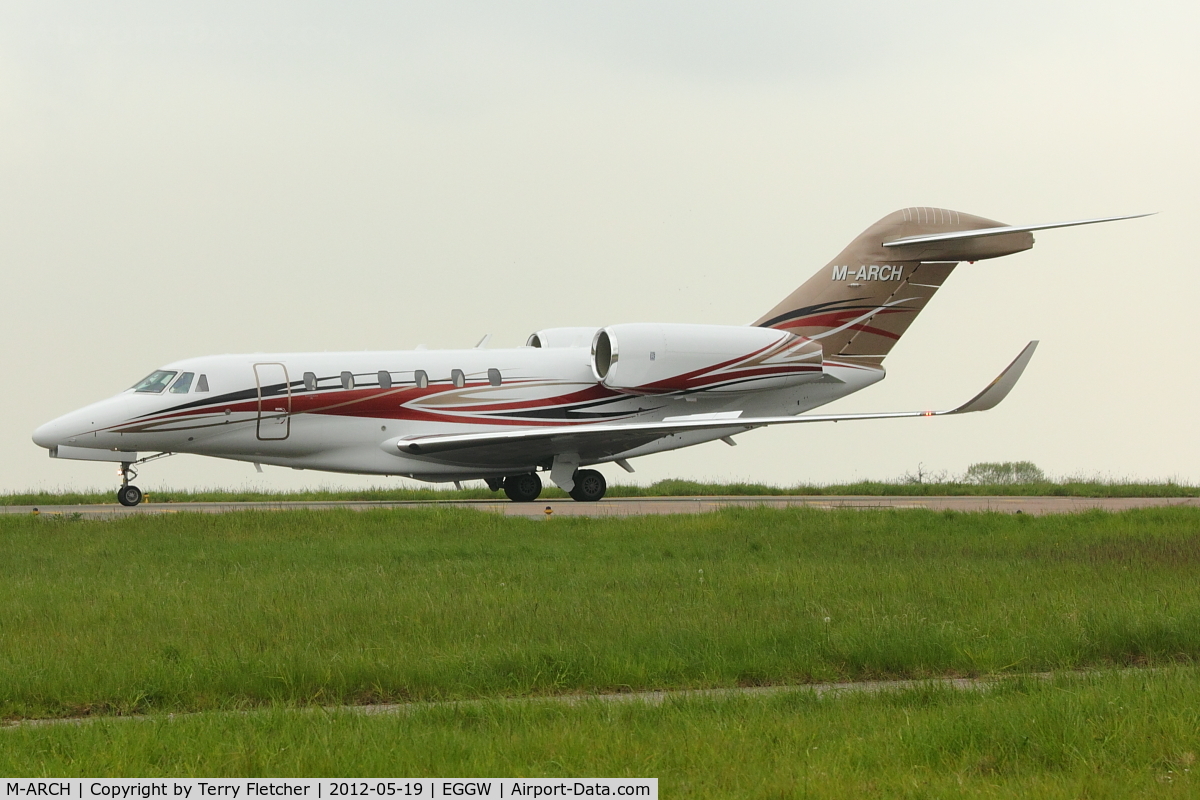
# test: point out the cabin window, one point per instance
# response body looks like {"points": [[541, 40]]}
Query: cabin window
{"points": [[184, 384], [459, 380], [385, 379], [494, 376], [310, 381], [421, 379], [347, 380], [202, 383], [155, 382]]}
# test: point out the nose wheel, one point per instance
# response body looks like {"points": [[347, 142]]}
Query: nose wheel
{"points": [[128, 495]]}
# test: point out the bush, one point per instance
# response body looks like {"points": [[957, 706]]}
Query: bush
{"points": [[993, 472]]}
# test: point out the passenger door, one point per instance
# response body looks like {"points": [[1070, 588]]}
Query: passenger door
{"points": [[274, 401]]}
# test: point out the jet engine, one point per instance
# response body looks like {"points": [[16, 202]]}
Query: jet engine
{"points": [[561, 337], [650, 358]]}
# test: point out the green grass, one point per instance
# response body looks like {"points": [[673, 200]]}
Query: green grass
{"points": [[1098, 736], [188, 611], [666, 488]]}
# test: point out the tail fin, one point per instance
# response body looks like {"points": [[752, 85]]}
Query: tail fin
{"points": [[863, 301]]}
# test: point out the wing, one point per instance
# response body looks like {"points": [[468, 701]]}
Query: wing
{"points": [[529, 446]]}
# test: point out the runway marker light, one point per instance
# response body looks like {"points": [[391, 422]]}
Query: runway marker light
{"points": [[549, 512]]}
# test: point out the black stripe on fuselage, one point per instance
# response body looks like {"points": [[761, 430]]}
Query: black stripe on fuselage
{"points": [[834, 305], [224, 399], [281, 389]]}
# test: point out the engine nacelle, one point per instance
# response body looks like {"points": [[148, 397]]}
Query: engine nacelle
{"points": [[653, 358], [561, 337]]}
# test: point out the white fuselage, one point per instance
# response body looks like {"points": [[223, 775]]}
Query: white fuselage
{"points": [[572, 397], [336, 411]]}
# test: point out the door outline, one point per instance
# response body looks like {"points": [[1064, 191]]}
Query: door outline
{"points": [[275, 418]]}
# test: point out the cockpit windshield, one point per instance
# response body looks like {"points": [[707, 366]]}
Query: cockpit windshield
{"points": [[155, 382], [184, 383]]}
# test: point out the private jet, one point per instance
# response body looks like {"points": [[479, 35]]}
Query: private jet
{"points": [[571, 398]]}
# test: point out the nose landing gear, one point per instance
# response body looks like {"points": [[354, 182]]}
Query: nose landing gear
{"points": [[128, 495]]}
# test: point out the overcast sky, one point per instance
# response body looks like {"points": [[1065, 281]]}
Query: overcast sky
{"points": [[237, 177]]}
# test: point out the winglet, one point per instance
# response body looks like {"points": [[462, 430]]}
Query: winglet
{"points": [[998, 389]]}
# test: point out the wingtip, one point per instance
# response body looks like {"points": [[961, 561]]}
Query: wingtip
{"points": [[998, 389]]}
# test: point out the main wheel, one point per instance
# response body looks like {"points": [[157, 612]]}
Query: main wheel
{"points": [[129, 495], [590, 486], [523, 488]]}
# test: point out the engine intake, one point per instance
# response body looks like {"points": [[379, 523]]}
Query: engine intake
{"points": [[561, 337]]}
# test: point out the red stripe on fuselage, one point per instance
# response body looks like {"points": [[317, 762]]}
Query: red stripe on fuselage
{"points": [[394, 404], [839, 318]]}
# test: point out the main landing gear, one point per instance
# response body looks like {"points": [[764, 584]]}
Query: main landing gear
{"points": [[523, 488], [590, 486], [128, 495]]}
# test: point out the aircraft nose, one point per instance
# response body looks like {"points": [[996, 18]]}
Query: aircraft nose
{"points": [[49, 435]]}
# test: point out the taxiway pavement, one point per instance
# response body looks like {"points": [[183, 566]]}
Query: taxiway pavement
{"points": [[639, 506]]}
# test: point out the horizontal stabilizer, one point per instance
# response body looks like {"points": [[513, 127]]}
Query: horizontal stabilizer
{"points": [[981, 232]]}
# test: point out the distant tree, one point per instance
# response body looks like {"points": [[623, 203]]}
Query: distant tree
{"points": [[924, 476], [993, 472]]}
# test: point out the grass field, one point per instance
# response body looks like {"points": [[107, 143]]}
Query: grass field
{"points": [[184, 612], [254, 619], [669, 488], [1097, 736]]}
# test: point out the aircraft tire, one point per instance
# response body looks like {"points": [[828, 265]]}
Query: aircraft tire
{"points": [[129, 496], [523, 488], [590, 486]]}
